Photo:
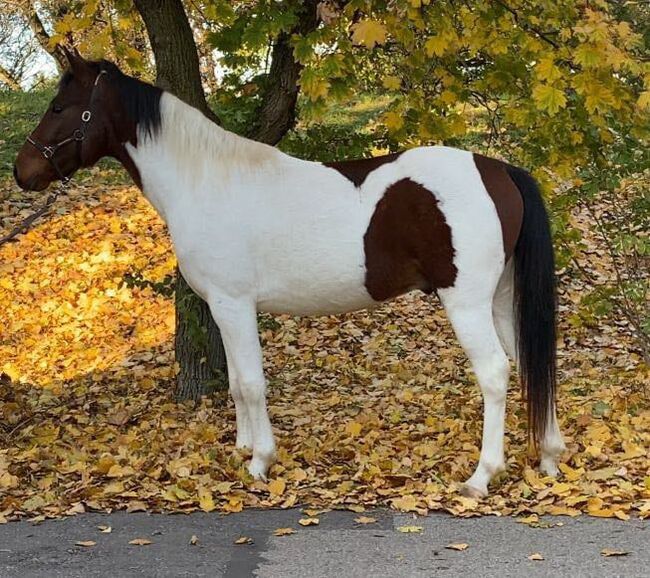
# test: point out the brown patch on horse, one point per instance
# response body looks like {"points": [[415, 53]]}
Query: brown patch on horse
{"points": [[506, 198], [357, 170], [408, 243]]}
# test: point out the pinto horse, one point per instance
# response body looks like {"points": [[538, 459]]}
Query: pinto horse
{"points": [[255, 230]]}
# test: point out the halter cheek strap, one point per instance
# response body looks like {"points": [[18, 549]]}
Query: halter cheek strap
{"points": [[78, 135]]}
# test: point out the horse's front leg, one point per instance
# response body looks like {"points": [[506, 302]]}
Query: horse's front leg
{"points": [[244, 433], [237, 321]]}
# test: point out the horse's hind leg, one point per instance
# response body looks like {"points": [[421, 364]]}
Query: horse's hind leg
{"points": [[503, 310], [473, 323]]}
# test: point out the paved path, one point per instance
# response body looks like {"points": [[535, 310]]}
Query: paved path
{"points": [[338, 547]]}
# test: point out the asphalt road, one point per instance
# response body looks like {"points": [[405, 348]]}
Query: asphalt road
{"points": [[338, 546]]}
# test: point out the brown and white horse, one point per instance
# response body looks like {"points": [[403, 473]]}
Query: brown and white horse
{"points": [[257, 230]]}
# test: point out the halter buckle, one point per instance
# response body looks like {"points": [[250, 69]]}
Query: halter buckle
{"points": [[48, 152], [85, 115]]}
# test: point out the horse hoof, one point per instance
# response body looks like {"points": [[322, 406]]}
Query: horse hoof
{"points": [[257, 470], [472, 492]]}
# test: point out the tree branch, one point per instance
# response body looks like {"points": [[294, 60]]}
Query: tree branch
{"points": [[43, 38], [8, 79], [526, 26]]}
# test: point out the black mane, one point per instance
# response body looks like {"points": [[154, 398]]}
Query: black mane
{"points": [[141, 100]]}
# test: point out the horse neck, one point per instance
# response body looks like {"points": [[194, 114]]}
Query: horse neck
{"points": [[190, 156]]}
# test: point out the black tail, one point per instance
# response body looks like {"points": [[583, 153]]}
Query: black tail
{"points": [[535, 305]]}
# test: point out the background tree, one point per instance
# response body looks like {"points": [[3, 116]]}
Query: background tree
{"points": [[199, 351], [18, 49], [559, 87]]}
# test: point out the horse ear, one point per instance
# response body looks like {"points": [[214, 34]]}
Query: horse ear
{"points": [[76, 61]]}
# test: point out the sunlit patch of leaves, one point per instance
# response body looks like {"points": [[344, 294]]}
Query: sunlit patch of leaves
{"points": [[369, 408]]}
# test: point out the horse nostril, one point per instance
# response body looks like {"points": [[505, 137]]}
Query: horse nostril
{"points": [[20, 183], [16, 177]]}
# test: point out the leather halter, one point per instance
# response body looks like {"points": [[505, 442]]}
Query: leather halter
{"points": [[78, 135]]}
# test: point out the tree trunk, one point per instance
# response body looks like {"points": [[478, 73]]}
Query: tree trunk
{"points": [[277, 112], [199, 350]]}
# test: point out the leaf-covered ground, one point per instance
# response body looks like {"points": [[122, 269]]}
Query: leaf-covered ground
{"points": [[368, 408]]}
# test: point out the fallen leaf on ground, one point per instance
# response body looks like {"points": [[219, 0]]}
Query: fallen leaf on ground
{"points": [[244, 540], [609, 552], [409, 529], [87, 371], [460, 547], [194, 540], [309, 521], [536, 556], [140, 542], [85, 543], [365, 520], [277, 487], [312, 513], [105, 529], [283, 531]]}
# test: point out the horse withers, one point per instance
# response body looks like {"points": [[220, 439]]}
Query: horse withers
{"points": [[255, 230]]}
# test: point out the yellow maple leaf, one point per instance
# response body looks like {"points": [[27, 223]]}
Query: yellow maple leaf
{"points": [[409, 529], [393, 121], [392, 82], [276, 487], [436, 45], [547, 70], [407, 503], [644, 100], [549, 98], [369, 33], [353, 428], [206, 501]]}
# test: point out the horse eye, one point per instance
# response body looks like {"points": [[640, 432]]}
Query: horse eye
{"points": [[57, 108]]}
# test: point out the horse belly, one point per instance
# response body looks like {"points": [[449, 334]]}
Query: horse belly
{"points": [[310, 278]]}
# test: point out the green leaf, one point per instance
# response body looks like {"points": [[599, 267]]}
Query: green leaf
{"points": [[549, 98]]}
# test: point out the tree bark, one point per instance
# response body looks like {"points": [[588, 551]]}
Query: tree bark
{"points": [[276, 114], [8, 79], [199, 350]]}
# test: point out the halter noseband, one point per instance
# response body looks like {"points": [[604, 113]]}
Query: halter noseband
{"points": [[78, 135]]}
